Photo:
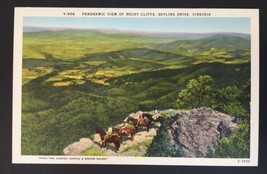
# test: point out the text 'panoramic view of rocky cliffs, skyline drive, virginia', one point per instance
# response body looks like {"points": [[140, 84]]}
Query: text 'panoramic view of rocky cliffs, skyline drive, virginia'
{"points": [[136, 87]]}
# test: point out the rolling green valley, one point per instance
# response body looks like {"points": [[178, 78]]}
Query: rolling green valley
{"points": [[75, 80]]}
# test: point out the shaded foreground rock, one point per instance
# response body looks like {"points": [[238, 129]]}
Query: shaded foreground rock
{"points": [[140, 144], [137, 147], [198, 129], [77, 147]]}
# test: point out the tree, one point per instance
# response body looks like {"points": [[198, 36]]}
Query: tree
{"points": [[236, 146], [227, 100], [48, 56], [244, 96], [231, 100], [198, 92], [162, 146]]}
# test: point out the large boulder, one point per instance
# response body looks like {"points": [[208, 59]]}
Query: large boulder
{"points": [[77, 147], [199, 129]]}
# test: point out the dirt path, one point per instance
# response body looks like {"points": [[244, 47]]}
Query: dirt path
{"points": [[137, 147]]}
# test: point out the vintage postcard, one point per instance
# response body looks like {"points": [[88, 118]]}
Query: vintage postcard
{"points": [[136, 86]]}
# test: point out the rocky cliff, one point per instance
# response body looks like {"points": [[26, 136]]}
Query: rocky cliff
{"points": [[137, 147], [199, 129], [194, 132]]}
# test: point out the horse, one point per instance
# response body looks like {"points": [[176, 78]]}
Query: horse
{"points": [[145, 122], [129, 130], [149, 116], [110, 139], [153, 118]]}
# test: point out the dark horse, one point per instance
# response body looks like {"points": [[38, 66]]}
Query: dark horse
{"points": [[150, 117], [110, 139], [130, 130], [145, 122]]}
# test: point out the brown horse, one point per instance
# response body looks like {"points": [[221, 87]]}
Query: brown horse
{"points": [[130, 130], [110, 139], [144, 123]]}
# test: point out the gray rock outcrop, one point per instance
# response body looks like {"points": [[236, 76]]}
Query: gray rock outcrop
{"points": [[199, 129], [77, 147]]}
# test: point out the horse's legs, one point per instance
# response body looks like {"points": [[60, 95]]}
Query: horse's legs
{"points": [[133, 132], [117, 144], [136, 128], [132, 136], [104, 143]]}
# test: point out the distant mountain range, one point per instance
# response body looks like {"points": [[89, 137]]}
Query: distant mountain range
{"points": [[219, 41], [177, 35]]}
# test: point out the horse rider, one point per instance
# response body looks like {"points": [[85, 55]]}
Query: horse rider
{"points": [[140, 118], [109, 133], [125, 125]]}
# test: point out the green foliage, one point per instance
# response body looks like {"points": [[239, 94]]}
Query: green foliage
{"points": [[230, 100], [161, 145], [28, 105], [227, 101], [72, 115], [54, 117], [202, 92], [117, 92], [73, 44], [48, 56], [215, 48], [236, 146], [138, 147], [93, 151], [143, 77], [198, 92], [244, 96], [234, 101]]}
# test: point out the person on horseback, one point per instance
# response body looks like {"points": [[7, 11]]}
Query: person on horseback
{"points": [[125, 125], [140, 118], [109, 133]]}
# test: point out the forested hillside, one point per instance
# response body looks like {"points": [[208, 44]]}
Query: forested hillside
{"points": [[76, 80]]}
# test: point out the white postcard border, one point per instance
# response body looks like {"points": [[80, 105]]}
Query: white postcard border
{"points": [[20, 12]]}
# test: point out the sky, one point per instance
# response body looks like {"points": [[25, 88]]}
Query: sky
{"points": [[186, 24]]}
